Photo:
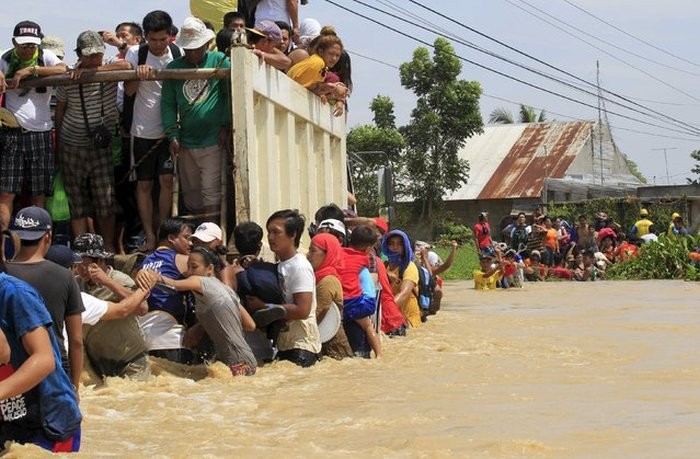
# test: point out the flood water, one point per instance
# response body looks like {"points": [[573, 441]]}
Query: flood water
{"points": [[604, 369]]}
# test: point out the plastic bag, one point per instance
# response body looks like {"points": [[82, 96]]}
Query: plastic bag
{"points": [[57, 205]]}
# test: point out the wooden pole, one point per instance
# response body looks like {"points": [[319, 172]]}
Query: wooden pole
{"points": [[125, 75]]}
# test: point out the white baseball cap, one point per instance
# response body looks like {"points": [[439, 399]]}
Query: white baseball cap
{"points": [[333, 224], [207, 232]]}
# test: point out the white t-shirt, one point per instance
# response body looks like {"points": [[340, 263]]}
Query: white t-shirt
{"points": [[649, 237], [161, 331], [298, 276], [95, 309], [272, 10], [147, 122], [434, 259], [32, 110]]}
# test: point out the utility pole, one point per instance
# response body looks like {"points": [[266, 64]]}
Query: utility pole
{"points": [[600, 121], [668, 177]]}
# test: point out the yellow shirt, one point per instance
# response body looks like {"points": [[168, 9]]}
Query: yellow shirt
{"points": [[411, 310], [308, 72], [643, 226]]}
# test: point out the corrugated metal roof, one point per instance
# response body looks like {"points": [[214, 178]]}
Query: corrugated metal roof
{"points": [[485, 152], [511, 161]]}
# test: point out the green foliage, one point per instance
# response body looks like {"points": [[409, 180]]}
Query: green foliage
{"points": [[666, 259], [446, 114], [527, 114], [466, 261], [449, 231], [501, 115], [376, 138], [624, 211], [634, 169], [696, 169], [383, 109]]}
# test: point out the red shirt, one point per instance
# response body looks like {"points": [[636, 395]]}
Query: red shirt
{"points": [[354, 261], [627, 251], [482, 232]]}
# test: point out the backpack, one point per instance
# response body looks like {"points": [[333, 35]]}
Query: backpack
{"points": [[127, 115], [426, 287], [260, 279], [518, 236]]}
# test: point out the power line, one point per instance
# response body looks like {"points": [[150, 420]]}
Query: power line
{"points": [[576, 118], [532, 85], [629, 34], [502, 99], [355, 53], [599, 48], [612, 45], [693, 130], [516, 50]]}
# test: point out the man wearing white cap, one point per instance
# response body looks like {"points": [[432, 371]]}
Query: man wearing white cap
{"points": [[26, 148], [197, 119], [209, 233]]}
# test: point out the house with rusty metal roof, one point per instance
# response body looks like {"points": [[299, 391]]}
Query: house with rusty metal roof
{"points": [[517, 167]]}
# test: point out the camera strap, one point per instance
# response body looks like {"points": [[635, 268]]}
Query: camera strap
{"points": [[84, 110]]}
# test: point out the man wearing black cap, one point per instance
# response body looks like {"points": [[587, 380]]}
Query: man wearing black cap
{"points": [[26, 147], [58, 288]]}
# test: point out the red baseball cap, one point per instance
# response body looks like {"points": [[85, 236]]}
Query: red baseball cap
{"points": [[381, 224]]}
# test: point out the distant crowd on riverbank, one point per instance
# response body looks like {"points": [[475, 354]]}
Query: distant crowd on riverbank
{"points": [[547, 247]]}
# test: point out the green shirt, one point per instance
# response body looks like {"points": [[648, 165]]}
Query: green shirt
{"points": [[199, 125]]}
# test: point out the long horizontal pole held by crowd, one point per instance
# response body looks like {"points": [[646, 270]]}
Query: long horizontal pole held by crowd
{"points": [[125, 75]]}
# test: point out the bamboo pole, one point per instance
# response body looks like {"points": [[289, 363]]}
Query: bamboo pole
{"points": [[125, 75]]}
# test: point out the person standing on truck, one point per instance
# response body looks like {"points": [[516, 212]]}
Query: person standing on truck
{"points": [[27, 152], [197, 119], [142, 98]]}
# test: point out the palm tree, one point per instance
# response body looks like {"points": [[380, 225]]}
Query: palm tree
{"points": [[527, 115], [501, 115]]}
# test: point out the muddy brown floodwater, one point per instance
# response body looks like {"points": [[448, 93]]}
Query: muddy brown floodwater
{"points": [[605, 369]]}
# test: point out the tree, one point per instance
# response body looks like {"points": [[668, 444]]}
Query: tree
{"points": [[446, 114], [382, 136], [383, 109], [501, 115], [527, 114], [634, 169], [695, 154]]}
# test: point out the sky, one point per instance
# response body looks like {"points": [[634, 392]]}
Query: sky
{"points": [[660, 75]]}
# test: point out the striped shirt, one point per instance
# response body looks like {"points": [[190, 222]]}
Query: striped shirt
{"points": [[73, 131]]}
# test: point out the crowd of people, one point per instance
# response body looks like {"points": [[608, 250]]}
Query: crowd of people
{"points": [[549, 247], [189, 303], [113, 149]]}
